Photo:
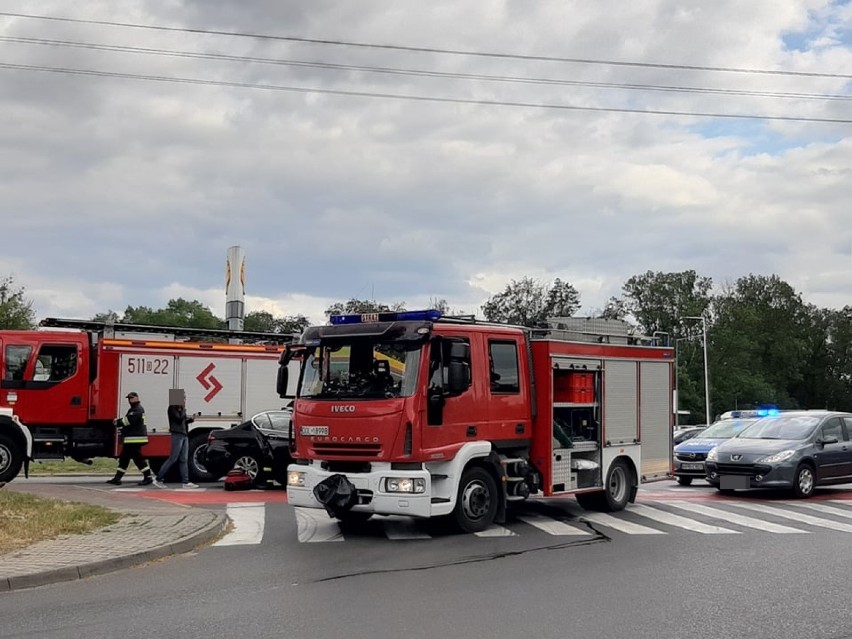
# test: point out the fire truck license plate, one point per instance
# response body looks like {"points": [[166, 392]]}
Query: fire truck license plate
{"points": [[692, 466], [310, 431]]}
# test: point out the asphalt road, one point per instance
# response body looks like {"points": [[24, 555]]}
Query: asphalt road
{"points": [[687, 578]]}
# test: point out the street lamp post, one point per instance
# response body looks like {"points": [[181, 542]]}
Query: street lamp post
{"points": [[677, 380], [706, 373]]}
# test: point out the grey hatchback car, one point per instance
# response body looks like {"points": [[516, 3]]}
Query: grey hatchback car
{"points": [[793, 449]]}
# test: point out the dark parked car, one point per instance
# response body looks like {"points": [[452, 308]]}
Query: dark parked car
{"points": [[690, 453], [260, 446], [797, 450], [687, 432]]}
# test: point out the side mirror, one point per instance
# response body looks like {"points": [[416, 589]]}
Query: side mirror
{"points": [[828, 440], [458, 377], [283, 378], [460, 351]]}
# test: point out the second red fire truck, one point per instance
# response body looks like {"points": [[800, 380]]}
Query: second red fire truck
{"points": [[60, 387], [417, 414]]}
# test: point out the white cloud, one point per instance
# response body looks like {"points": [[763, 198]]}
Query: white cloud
{"points": [[123, 192]]}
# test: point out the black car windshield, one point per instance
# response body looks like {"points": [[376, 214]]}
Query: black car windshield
{"points": [[724, 429], [782, 427], [361, 368]]}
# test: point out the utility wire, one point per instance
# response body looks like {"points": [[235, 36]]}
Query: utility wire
{"points": [[420, 73], [394, 47], [417, 98]]}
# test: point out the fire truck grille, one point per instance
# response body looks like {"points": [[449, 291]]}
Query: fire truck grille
{"points": [[347, 450]]}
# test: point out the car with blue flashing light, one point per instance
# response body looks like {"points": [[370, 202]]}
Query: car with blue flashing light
{"points": [[792, 450], [686, 432], [689, 455]]}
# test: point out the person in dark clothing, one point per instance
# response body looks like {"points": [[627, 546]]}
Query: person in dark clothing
{"points": [[179, 430], [134, 435]]}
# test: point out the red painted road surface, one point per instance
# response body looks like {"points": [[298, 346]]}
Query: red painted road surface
{"points": [[216, 496]]}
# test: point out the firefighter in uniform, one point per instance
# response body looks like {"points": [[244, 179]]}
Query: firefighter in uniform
{"points": [[134, 435]]}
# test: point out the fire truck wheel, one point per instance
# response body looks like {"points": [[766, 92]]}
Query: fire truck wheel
{"points": [[197, 449], [616, 492], [476, 504], [617, 488], [11, 458]]}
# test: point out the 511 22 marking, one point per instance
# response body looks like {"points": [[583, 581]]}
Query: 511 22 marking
{"points": [[141, 366]]}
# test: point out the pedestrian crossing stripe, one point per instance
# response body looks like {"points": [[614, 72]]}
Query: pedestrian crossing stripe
{"points": [[661, 518]]}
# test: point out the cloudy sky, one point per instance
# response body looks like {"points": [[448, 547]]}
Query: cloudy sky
{"points": [[259, 124]]}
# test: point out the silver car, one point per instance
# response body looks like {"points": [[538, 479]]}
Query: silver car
{"points": [[794, 449]]}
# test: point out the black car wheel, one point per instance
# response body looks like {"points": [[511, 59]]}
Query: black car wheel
{"points": [[804, 481], [684, 481], [197, 451], [251, 465]]}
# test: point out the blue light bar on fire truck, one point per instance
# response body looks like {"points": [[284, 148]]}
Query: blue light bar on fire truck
{"points": [[391, 316]]}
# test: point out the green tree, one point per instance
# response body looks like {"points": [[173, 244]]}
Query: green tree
{"points": [[659, 300], [759, 344], [354, 306], [110, 317], [178, 312], [528, 302], [614, 309], [827, 381], [265, 322], [16, 311]]}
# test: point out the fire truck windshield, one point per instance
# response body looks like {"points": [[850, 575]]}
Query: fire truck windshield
{"points": [[361, 368]]}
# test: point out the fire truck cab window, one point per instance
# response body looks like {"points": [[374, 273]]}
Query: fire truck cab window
{"points": [[439, 362], [55, 363], [16, 362], [503, 358]]}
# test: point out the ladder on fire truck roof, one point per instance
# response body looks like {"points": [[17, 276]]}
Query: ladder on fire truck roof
{"points": [[577, 329], [108, 329]]}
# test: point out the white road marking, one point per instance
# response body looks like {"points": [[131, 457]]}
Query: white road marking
{"points": [[627, 527], [830, 510], [403, 528], [248, 522], [315, 526], [551, 526], [496, 531], [795, 516], [680, 522], [735, 518]]}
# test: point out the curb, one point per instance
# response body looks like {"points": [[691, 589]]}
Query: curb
{"points": [[70, 573]]}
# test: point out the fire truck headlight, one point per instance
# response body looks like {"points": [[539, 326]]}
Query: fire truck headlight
{"points": [[295, 478], [405, 485]]}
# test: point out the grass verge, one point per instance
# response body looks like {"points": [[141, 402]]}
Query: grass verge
{"points": [[100, 465], [27, 519]]}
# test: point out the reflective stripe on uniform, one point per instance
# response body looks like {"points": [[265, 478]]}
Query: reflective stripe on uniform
{"points": [[125, 421], [135, 440]]}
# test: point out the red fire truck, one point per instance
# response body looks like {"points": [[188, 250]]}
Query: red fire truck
{"points": [[417, 414], [62, 386]]}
